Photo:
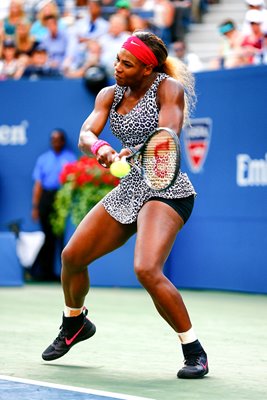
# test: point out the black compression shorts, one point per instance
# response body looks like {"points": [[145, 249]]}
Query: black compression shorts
{"points": [[183, 206]]}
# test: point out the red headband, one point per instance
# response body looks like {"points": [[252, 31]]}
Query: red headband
{"points": [[140, 50]]}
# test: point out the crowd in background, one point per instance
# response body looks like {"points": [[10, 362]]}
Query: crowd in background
{"points": [[246, 44], [70, 38]]}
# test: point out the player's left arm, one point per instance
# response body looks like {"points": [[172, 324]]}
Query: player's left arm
{"points": [[170, 100]]}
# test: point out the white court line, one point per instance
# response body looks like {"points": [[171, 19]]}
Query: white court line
{"points": [[73, 388]]}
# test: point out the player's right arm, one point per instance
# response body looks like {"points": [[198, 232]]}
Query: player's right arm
{"points": [[94, 124]]}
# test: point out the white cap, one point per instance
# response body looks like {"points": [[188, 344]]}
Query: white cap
{"points": [[255, 2], [254, 16]]}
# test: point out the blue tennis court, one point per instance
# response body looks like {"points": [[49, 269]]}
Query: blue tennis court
{"points": [[25, 389]]}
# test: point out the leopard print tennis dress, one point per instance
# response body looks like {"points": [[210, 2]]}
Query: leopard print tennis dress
{"points": [[124, 202]]}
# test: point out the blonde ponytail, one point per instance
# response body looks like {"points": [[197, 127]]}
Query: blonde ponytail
{"points": [[179, 71], [172, 67]]}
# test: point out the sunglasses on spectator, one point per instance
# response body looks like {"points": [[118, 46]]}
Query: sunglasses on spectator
{"points": [[47, 17]]}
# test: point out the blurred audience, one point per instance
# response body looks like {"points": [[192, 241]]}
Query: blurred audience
{"points": [[25, 43], [261, 57], [45, 9], [38, 65], [93, 25], [179, 50], [61, 46], [112, 41], [258, 5], [163, 18], [92, 58], [10, 66], [15, 14], [231, 53], [124, 8], [76, 35], [252, 42]]}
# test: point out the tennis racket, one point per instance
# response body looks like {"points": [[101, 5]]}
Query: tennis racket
{"points": [[158, 159]]}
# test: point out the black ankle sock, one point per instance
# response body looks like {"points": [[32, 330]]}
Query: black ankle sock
{"points": [[192, 348], [72, 322]]}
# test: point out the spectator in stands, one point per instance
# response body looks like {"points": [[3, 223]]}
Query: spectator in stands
{"points": [[185, 13], [112, 41], [261, 57], [45, 8], [92, 59], [123, 7], [10, 66], [255, 5], [253, 41], [137, 23], [179, 50], [25, 43], [163, 18], [93, 25], [39, 67], [15, 15], [133, 10], [60, 45], [46, 184], [231, 52]]}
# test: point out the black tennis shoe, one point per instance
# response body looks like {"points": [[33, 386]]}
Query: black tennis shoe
{"points": [[72, 331], [195, 365]]}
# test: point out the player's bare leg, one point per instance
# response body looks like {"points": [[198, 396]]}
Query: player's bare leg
{"points": [[97, 234], [153, 246]]}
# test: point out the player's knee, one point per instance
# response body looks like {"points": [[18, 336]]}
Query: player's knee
{"points": [[70, 259], [147, 273]]}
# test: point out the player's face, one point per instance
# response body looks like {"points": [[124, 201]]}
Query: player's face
{"points": [[129, 71]]}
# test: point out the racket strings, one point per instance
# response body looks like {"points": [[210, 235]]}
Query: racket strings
{"points": [[159, 160]]}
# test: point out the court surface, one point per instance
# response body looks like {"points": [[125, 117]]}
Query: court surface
{"points": [[133, 353]]}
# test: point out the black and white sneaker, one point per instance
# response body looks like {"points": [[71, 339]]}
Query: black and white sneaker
{"points": [[195, 363], [72, 331]]}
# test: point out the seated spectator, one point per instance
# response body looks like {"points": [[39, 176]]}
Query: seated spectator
{"points": [[123, 7], [178, 49], [261, 57], [93, 25], [90, 26], [15, 15], [10, 66], [137, 23], [186, 11], [253, 41], [255, 5], [163, 18], [231, 52], [92, 58], [60, 45], [24, 41], [112, 41], [45, 8], [39, 67]]}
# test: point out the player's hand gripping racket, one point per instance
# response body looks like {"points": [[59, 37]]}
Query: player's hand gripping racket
{"points": [[157, 160]]}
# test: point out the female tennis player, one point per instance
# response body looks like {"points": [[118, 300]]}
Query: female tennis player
{"points": [[151, 91]]}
